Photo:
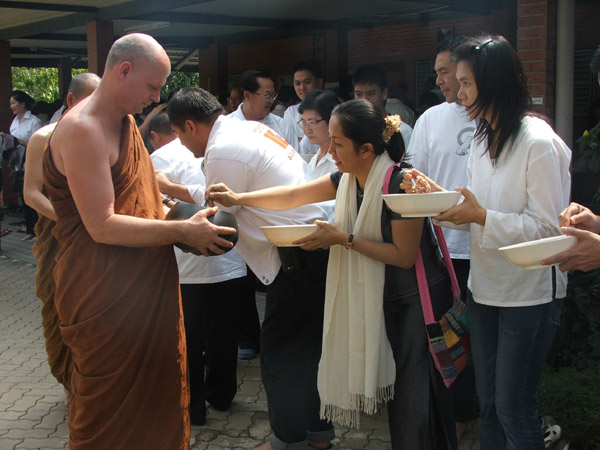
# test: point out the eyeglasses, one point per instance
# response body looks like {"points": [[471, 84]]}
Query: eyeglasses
{"points": [[311, 123], [267, 97]]}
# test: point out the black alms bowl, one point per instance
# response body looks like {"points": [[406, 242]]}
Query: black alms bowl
{"points": [[183, 211]]}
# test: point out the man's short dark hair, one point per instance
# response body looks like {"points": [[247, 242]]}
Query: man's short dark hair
{"points": [[249, 80], [193, 103], [595, 64], [311, 66], [450, 44], [161, 124], [370, 74]]}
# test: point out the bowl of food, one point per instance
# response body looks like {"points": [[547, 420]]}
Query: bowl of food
{"points": [[183, 211], [529, 254], [284, 235], [422, 205]]}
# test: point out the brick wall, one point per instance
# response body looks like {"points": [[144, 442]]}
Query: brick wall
{"points": [[536, 46]]}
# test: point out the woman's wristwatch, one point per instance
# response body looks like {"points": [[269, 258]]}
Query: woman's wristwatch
{"points": [[349, 243]]}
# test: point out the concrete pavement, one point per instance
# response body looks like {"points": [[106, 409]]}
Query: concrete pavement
{"points": [[32, 413]]}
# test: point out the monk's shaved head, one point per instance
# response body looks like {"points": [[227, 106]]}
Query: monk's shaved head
{"points": [[83, 84], [135, 47]]}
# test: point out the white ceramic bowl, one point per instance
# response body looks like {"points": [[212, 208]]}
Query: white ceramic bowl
{"points": [[307, 156], [529, 254], [284, 235], [422, 205]]}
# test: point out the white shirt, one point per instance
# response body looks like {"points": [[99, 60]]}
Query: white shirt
{"points": [[26, 127], [523, 193], [406, 132], [324, 167], [23, 130], [277, 124], [180, 166], [292, 116], [247, 156], [439, 148]]}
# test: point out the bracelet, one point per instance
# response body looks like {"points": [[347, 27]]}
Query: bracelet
{"points": [[349, 244]]}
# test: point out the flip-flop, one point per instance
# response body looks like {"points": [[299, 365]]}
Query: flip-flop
{"points": [[552, 434], [4, 231]]}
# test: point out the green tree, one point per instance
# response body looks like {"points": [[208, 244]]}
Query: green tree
{"points": [[178, 80], [39, 82]]}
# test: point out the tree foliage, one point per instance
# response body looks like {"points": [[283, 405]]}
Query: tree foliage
{"points": [[39, 82], [42, 82]]}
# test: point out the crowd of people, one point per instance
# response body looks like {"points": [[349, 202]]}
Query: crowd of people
{"points": [[142, 336]]}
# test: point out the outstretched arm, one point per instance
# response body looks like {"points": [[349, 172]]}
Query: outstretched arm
{"points": [[280, 197]]}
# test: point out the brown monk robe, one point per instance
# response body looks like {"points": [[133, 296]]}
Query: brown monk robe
{"points": [[45, 250], [120, 313]]}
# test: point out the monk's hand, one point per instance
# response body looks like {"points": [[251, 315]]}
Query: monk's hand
{"points": [[205, 236], [469, 211], [156, 111], [415, 182], [580, 217], [220, 193], [326, 235], [584, 255]]}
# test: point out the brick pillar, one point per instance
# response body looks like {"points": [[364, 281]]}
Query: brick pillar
{"points": [[536, 46], [64, 76], [6, 115], [222, 67], [342, 48], [100, 38]]}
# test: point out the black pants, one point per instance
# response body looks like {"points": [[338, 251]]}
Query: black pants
{"points": [[210, 313], [290, 351], [466, 405], [421, 414], [249, 324]]}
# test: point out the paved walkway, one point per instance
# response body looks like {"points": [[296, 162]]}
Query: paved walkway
{"points": [[32, 413]]}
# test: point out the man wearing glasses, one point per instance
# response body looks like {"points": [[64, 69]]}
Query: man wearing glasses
{"points": [[258, 92]]}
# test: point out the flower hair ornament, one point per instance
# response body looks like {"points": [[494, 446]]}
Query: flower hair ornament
{"points": [[392, 126]]}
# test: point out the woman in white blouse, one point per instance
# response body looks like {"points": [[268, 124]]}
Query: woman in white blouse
{"points": [[22, 127], [315, 111], [518, 184]]}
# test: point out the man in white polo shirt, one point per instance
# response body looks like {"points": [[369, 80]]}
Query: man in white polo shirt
{"points": [[247, 156], [258, 92]]}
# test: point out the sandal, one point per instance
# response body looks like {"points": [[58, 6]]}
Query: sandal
{"points": [[4, 231], [552, 434]]}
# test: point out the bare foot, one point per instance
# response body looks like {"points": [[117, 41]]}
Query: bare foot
{"points": [[265, 446], [67, 396]]}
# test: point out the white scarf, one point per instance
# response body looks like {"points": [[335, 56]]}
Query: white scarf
{"points": [[357, 370]]}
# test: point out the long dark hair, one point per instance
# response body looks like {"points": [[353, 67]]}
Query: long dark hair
{"points": [[362, 123], [501, 90], [22, 97]]}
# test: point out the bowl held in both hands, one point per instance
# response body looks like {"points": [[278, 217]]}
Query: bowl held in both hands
{"points": [[422, 205], [184, 210]]}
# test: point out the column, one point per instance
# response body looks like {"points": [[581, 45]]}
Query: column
{"points": [[64, 76], [100, 38]]}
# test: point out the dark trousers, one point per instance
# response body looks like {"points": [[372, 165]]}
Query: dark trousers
{"points": [[210, 316], [31, 218], [421, 414], [466, 406], [290, 352], [249, 324]]}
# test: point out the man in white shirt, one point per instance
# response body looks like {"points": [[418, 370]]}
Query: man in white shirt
{"points": [[439, 147], [210, 324], [307, 77], [248, 156], [370, 83], [258, 92]]}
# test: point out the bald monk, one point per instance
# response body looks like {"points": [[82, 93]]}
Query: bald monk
{"points": [[46, 247], [117, 288]]}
